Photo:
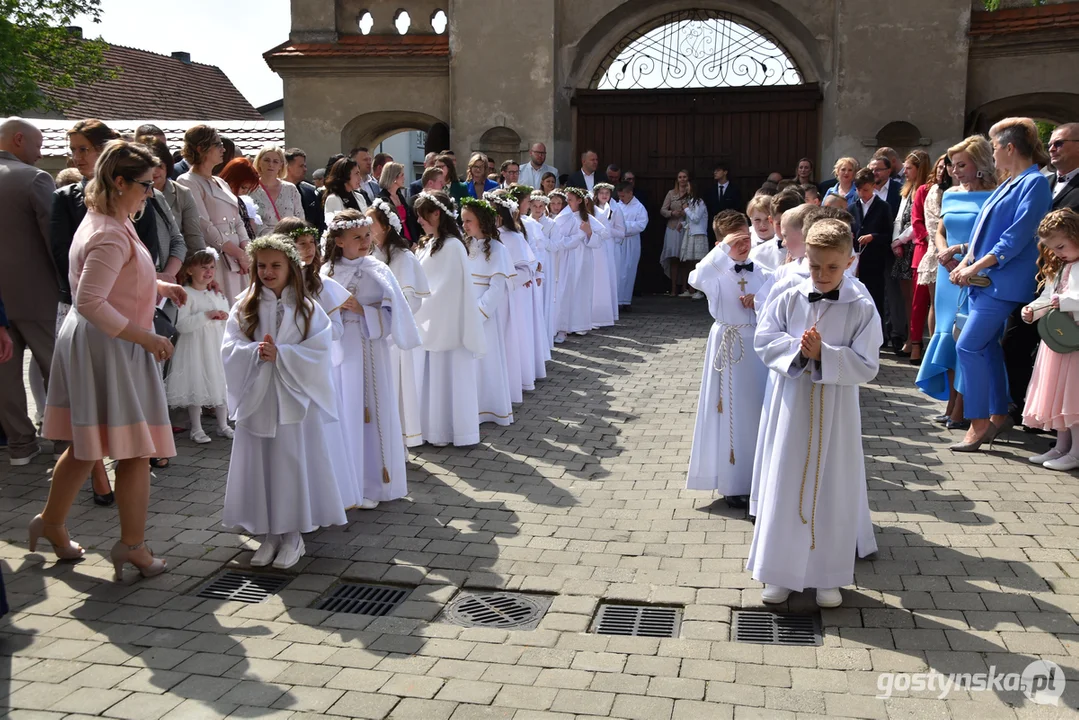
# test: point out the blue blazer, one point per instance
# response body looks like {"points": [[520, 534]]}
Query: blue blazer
{"points": [[488, 185], [1007, 227]]}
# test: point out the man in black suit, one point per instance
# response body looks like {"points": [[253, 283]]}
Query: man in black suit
{"points": [[295, 172], [416, 187], [884, 186], [1020, 341], [873, 238], [586, 176], [721, 195], [897, 320]]}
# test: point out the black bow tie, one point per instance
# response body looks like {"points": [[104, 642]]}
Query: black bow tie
{"points": [[739, 267], [1062, 178], [832, 295]]}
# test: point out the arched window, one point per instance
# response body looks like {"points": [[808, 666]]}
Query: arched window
{"points": [[439, 21], [402, 21], [366, 22], [696, 49]]}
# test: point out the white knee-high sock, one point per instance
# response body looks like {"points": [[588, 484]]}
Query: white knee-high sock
{"points": [[194, 414], [222, 412]]}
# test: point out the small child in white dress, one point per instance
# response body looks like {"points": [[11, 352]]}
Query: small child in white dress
{"points": [[197, 378]]}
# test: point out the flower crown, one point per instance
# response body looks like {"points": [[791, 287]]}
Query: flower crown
{"points": [[437, 203], [391, 215], [275, 241], [482, 205], [538, 196], [520, 191], [335, 225], [503, 201], [557, 192], [299, 232], [579, 192], [602, 186]]}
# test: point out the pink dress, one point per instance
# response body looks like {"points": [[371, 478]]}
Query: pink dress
{"points": [[1053, 398], [106, 396]]}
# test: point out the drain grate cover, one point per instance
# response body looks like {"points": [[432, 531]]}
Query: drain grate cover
{"points": [[243, 587], [638, 621], [766, 628], [497, 609], [356, 599]]}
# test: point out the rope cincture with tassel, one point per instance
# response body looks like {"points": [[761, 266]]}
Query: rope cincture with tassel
{"points": [[368, 353], [725, 359], [805, 468]]}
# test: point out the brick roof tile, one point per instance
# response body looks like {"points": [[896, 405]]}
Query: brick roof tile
{"points": [[1024, 19], [159, 86], [363, 46]]}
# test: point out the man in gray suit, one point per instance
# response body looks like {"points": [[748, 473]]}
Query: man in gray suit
{"points": [[28, 283]]}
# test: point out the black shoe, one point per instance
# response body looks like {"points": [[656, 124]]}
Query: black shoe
{"points": [[106, 500], [737, 502], [961, 425]]}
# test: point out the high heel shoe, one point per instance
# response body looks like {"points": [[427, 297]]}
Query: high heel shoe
{"points": [[37, 528], [121, 555], [916, 361], [990, 436]]}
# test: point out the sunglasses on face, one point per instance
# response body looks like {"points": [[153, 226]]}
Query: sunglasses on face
{"points": [[1057, 144]]}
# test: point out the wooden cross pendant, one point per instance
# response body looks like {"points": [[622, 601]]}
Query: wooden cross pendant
{"points": [[742, 285]]}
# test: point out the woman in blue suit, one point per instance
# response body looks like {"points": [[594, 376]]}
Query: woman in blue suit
{"points": [[478, 183], [1003, 248]]}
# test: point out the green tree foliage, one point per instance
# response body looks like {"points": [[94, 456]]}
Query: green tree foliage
{"points": [[996, 4], [37, 50]]}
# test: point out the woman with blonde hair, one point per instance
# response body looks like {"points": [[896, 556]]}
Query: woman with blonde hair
{"points": [[844, 171], [106, 396], [974, 173], [999, 266], [392, 183], [674, 210], [478, 182], [275, 197], [905, 237], [925, 218]]}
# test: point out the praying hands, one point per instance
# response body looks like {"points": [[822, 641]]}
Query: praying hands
{"points": [[811, 344]]}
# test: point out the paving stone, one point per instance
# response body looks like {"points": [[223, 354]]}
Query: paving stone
{"points": [[143, 706]]}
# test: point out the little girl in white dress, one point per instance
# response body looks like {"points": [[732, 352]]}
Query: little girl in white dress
{"points": [[197, 378]]}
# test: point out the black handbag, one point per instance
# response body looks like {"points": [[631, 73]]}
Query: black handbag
{"points": [[163, 325]]}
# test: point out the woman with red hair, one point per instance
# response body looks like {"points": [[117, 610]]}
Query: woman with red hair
{"points": [[243, 178]]}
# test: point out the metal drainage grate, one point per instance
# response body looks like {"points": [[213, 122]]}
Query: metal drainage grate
{"points": [[766, 628], [356, 599], [638, 621], [497, 609], [243, 587]]}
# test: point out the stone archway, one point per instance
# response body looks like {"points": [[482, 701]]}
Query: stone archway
{"points": [[499, 144], [369, 129], [1056, 107]]}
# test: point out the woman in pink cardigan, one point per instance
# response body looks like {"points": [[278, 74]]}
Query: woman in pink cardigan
{"points": [[106, 396]]}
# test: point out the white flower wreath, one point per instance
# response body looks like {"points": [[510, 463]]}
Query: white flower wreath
{"points": [[438, 204], [336, 224], [506, 202], [391, 215]]}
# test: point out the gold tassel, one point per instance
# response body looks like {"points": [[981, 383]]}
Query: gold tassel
{"points": [[719, 407], [366, 415], [732, 456], [385, 476]]}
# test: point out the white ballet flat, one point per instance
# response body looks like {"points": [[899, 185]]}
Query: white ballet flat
{"points": [[773, 594], [226, 432], [265, 554], [366, 504], [1064, 463], [829, 597], [289, 554], [1053, 454]]}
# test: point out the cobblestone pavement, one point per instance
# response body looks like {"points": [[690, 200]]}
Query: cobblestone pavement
{"points": [[582, 499]]}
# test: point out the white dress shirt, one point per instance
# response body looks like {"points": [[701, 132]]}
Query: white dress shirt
{"points": [[589, 181], [1061, 184], [533, 177]]}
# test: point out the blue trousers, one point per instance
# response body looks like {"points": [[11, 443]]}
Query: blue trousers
{"points": [[980, 357]]}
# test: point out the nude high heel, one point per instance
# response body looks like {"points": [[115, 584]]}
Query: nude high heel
{"points": [[37, 528], [121, 555]]}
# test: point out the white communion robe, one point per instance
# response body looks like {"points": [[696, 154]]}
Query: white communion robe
{"points": [[518, 320], [629, 252], [280, 476], [576, 274], [407, 365], [812, 505], [554, 259], [370, 414], [732, 384], [612, 218], [604, 293], [344, 463], [541, 295], [451, 328], [770, 254], [492, 278]]}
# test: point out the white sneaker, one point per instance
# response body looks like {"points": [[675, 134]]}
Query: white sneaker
{"points": [[560, 337], [1064, 462], [200, 437], [226, 432], [265, 554], [687, 293], [291, 551], [698, 295], [829, 597], [1053, 454], [367, 504], [773, 594]]}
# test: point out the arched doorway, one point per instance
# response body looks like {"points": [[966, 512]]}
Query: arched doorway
{"points": [[686, 90]]}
